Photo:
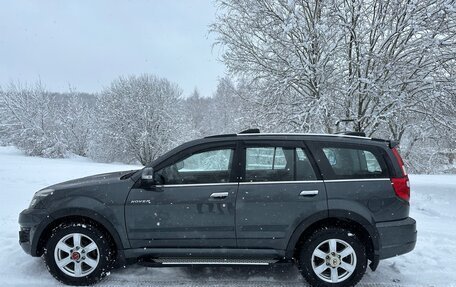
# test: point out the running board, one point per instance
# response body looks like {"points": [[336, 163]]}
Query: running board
{"points": [[205, 261]]}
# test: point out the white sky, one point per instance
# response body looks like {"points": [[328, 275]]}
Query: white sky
{"points": [[87, 44]]}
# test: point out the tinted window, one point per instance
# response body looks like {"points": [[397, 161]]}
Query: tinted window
{"points": [[304, 170], [355, 162], [206, 167], [277, 164], [265, 158]]}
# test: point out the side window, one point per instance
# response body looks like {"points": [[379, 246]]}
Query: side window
{"points": [[212, 166], [277, 164], [372, 162], [353, 163], [265, 158], [304, 170]]}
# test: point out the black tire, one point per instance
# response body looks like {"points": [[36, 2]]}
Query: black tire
{"points": [[104, 253], [306, 260]]}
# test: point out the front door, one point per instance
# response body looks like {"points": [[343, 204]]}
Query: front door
{"points": [[279, 190], [191, 206]]}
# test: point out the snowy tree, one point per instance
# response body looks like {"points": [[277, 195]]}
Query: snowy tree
{"points": [[137, 119], [226, 109], [382, 67], [196, 112], [77, 120], [287, 51], [329, 60], [393, 51], [30, 120], [43, 123]]}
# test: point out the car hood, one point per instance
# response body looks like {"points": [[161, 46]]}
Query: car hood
{"points": [[98, 179]]}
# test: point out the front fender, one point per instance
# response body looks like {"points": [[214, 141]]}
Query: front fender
{"points": [[106, 218], [111, 217]]}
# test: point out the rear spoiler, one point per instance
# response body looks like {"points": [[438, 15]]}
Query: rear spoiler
{"points": [[391, 143]]}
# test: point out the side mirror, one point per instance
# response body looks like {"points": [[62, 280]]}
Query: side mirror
{"points": [[148, 175], [149, 178]]}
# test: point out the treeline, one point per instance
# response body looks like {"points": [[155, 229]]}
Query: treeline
{"points": [[135, 119], [138, 118]]}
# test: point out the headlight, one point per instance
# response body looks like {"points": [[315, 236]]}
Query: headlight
{"points": [[40, 195]]}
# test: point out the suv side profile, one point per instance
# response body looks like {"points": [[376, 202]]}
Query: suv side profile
{"points": [[328, 203]]}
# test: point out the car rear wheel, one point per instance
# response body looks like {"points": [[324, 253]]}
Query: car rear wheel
{"points": [[333, 257], [78, 254]]}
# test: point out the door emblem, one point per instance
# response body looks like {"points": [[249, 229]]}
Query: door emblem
{"points": [[140, 201]]}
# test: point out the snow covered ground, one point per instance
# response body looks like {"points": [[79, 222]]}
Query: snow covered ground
{"points": [[432, 263]]}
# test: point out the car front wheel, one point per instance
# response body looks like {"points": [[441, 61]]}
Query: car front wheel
{"points": [[333, 257], [78, 254]]}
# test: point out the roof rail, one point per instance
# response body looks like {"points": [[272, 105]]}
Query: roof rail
{"points": [[358, 134], [250, 131], [221, 136]]}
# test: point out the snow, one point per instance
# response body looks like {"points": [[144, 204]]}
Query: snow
{"points": [[432, 263]]}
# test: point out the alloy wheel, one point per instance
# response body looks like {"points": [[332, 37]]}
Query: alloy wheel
{"points": [[334, 260], [76, 255]]}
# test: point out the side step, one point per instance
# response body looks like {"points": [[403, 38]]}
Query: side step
{"points": [[179, 261]]}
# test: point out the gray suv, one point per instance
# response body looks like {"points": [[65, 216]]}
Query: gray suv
{"points": [[327, 203]]}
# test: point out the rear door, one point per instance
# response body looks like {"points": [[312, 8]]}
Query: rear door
{"points": [[278, 190]]}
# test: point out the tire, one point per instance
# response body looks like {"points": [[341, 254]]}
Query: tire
{"points": [[322, 265], [81, 264]]}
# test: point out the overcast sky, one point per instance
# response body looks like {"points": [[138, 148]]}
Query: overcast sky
{"points": [[86, 44]]}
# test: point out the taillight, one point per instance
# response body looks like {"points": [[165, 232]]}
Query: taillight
{"points": [[399, 161], [401, 185]]}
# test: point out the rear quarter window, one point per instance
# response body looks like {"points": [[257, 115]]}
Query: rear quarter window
{"points": [[341, 161]]}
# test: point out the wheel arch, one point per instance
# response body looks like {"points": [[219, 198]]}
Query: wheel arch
{"points": [[338, 218], [74, 215]]}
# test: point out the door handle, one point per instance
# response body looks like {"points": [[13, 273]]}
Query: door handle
{"points": [[219, 195], [308, 193]]}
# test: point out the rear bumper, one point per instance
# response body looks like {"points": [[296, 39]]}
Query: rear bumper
{"points": [[31, 223], [396, 237]]}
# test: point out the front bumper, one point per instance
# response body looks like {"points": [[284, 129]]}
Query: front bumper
{"points": [[396, 237], [32, 223]]}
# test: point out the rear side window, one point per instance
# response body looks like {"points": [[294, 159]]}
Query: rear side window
{"points": [[277, 164], [355, 162]]}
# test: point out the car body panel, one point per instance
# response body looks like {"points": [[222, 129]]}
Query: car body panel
{"points": [[181, 216], [267, 214]]}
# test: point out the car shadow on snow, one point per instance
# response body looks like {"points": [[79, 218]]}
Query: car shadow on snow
{"points": [[274, 275], [274, 272], [284, 275]]}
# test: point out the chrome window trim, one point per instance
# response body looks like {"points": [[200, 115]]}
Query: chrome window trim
{"points": [[198, 184], [357, 179], [277, 182], [273, 182]]}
